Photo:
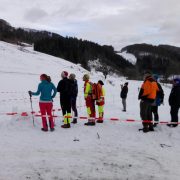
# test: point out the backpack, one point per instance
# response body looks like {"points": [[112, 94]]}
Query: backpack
{"points": [[96, 91]]}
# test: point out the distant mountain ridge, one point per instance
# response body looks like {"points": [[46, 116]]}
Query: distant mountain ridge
{"points": [[162, 59]]}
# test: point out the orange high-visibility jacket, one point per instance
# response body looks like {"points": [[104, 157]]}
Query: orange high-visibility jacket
{"points": [[149, 89]]}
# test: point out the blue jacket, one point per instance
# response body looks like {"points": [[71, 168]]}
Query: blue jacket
{"points": [[45, 88]]}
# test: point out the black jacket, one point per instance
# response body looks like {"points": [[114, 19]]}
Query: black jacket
{"points": [[64, 88], [74, 88], [174, 97], [124, 92]]}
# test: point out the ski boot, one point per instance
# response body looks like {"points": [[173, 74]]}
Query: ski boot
{"points": [[43, 129], [66, 126], [172, 125], [99, 120], [151, 128], [52, 129], [74, 121], [90, 124]]}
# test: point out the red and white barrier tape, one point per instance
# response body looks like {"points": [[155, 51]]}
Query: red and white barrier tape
{"points": [[12, 92], [23, 99], [34, 112], [25, 114], [16, 99]]}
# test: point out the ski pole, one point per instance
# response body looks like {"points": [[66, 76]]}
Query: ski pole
{"points": [[32, 112]]}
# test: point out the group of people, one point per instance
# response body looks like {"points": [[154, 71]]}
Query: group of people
{"points": [[67, 87], [151, 95]]}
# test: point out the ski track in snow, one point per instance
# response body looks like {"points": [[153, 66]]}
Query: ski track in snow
{"points": [[108, 151]]}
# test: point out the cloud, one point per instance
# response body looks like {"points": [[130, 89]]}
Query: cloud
{"points": [[116, 22], [35, 14]]}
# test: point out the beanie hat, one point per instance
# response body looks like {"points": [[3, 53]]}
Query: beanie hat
{"points": [[100, 82], [147, 74], [86, 77], [72, 76], [64, 74], [43, 77]]}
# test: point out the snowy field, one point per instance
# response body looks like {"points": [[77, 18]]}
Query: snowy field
{"points": [[113, 150]]}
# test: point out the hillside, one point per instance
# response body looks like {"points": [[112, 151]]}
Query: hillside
{"points": [[162, 59], [72, 49], [109, 151]]}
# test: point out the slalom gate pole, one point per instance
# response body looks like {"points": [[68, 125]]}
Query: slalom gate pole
{"points": [[32, 112]]}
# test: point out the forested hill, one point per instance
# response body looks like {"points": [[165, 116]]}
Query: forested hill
{"points": [[72, 49], [82, 51], [162, 59]]}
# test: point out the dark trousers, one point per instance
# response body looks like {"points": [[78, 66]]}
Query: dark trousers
{"points": [[73, 105], [124, 103], [174, 113], [155, 112], [146, 113], [65, 105]]}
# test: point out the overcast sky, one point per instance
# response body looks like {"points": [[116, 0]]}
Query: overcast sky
{"points": [[113, 22]]}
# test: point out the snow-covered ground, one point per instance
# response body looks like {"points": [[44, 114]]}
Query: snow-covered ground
{"points": [[113, 150]]}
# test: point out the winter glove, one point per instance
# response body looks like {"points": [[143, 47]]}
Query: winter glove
{"points": [[30, 93]]}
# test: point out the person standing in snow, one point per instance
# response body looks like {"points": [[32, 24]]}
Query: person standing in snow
{"points": [[147, 95], [64, 88], [90, 102], [124, 92], [74, 94], [100, 100], [158, 101], [174, 102], [45, 88]]}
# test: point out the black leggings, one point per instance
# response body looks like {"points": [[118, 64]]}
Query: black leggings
{"points": [[155, 112], [74, 108], [174, 113], [65, 105]]}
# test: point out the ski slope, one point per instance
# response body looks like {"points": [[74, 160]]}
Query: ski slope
{"points": [[113, 150], [128, 56]]}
